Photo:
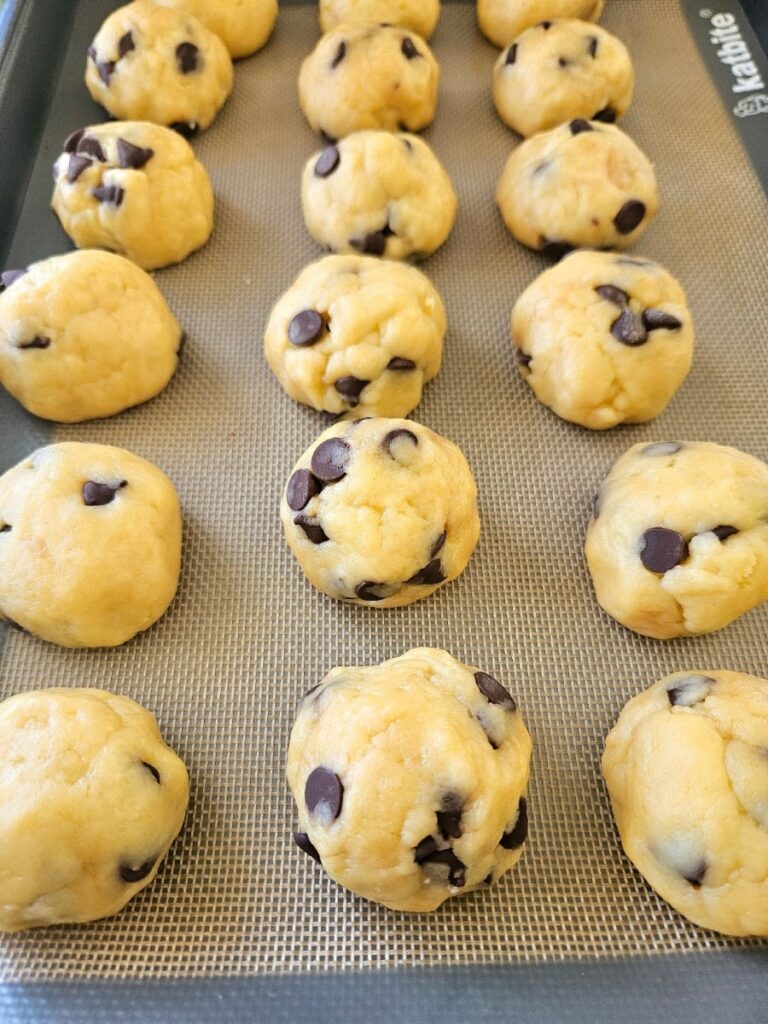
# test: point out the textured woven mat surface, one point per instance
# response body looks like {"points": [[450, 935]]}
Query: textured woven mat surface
{"points": [[247, 635]]}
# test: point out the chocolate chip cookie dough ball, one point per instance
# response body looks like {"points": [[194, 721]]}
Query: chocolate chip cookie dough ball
{"points": [[357, 335], [243, 26], [417, 15], [687, 773], [678, 543], [381, 512], [133, 188], [582, 184], [603, 339], [380, 194], [560, 70], [152, 63], [410, 779], [90, 544], [91, 798], [85, 335], [362, 77], [501, 21]]}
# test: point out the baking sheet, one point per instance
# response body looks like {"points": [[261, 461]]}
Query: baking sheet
{"points": [[247, 635]]}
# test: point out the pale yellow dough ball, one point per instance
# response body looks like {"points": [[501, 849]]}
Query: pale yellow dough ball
{"points": [[381, 512], [357, 335], [160, 64], [91, 798], [410, 778], [243, 26], [134, 188], [90, 544], [501, 21], [687, 773], [85, 335], [419, 16]]}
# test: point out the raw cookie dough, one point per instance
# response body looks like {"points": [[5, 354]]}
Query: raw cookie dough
{"points": [[603, 338], [417, 15], [90, 544], [501, 21], [152, 63], [85, 335], [687, 773], [381, 512], [560, 70], [362, 77], [378, 193], [134, 188], [243, 26], [678, 542], [410, 779], [357, 335], [91, 798], [583, 184]]}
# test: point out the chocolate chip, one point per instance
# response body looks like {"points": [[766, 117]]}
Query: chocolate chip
{"points": [[592, 46], [511, 54], [330, 460], [515, 838], [690, 691], [77, 164], [112, 194], [409, 50], [305, 844], [71, 141], [391, 436], [629, 330], [554, 250], [132, 157], [662, 549], [724, 532], [494, 692], [607, 115], [92, 147], [351, 387], [314, 531], [657, 319], [125, 44], [100, 494], [663, 448], [368, 591], [456, 870], [36, 342], [306, 328], [522, 358], [449, 816], [324, 791], [439, 544], [564, 62], [425, 848], [613, 294], [546, 25], [131, 874], [151, 768], [187, 129], [187, 58], [430, 575], [6, 528], [629, 216], [301, 487], [340, 55], [579, 125], [327, 162], [105, 69], [374, 244], [401, 364], [9, 276], [696, 877]]}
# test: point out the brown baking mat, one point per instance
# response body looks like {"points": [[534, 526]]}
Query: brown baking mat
{"points": [[247, 635]]}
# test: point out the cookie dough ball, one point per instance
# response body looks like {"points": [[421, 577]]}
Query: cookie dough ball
{"points": [[152, 63], [582, 184], [501, 21], [91, 798], [561, 70], [410, 779], [417, 15], [687, 773], [381, 512], [90, 544], [603, 339], [361, 77], [85, 335], [243, 26], [678, 543], [381, 194], [133, 188], [357, 335]]}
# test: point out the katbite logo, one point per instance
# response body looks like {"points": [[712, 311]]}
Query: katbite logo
{"points": [[733, 51]]}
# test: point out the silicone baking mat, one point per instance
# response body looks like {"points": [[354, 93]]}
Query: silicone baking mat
{"points": [[247, 635]]}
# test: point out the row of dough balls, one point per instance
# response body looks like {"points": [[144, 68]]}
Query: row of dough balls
{"points": [[449, 821]]}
